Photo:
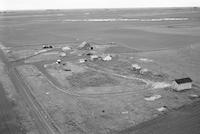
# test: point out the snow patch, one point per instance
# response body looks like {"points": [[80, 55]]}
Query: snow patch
{"points": [[145, 60], [154, 97], [157, 85]]}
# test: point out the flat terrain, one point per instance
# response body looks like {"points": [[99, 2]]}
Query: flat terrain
{"points": [[10, 121], [171, 123], [29, 28], [70, 91]]}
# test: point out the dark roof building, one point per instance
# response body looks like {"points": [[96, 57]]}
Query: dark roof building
{"points": [[182, 84], [183, 80]]}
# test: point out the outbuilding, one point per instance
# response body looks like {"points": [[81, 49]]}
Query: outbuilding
{"points": [[107, 57], [85, 46], [94, 57], [182, 84], [82, 60], [136, 67], [47, 46], [58, 61]]}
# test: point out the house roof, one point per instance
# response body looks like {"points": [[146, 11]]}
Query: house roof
{"points": [[85, 46], [183, 80]]}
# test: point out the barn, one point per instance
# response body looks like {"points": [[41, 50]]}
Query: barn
{"points": [[182, 84], [85, 46]]}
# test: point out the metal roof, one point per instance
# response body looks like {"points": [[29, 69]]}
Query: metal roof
{"points": [[183, 80]]}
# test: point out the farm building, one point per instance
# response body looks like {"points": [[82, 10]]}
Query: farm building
{"points": [[58, 61], [136, 67], [47, 46], [85, 46], [106, 57], [82, 60], [182, 84], [93, 57]]}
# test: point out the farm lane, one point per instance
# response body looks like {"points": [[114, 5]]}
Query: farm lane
{"points": [[39, 117]]}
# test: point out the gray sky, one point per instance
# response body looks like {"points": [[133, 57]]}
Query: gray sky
{"points": [[71, 4]]}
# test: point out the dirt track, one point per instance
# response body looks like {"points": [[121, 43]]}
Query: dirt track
{"points": [[23, 90]]}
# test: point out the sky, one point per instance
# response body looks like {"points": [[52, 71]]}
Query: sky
{"points": [[74, 4]]}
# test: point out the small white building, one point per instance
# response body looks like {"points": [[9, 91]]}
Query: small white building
{"points": [[58, 61], [136, 67], [93, 57], [182, 84], [82, 60], [106, 57]]}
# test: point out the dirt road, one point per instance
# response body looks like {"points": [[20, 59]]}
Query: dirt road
{"points": [[39, 117]]}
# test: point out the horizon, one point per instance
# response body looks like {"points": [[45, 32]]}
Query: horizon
{"points": [[9, 5], [145, 8]]}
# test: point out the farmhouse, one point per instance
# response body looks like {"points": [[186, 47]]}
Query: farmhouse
{"points": [[182, 84]]}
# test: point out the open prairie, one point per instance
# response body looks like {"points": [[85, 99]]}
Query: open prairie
{"points": [[145, 29]]}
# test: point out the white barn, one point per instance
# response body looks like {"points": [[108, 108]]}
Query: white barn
{"points": [[182, 84]]}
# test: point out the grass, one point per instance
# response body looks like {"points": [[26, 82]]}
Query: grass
{"points": [[90, 79], [10, 121]]}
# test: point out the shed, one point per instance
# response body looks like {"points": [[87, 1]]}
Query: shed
{"points": [[106, 57], [182, 84], [93, 57], [58, 61], [82, 60], [136, 67]]}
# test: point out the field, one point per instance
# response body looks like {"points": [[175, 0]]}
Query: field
{"points": [[32, 29], [69, 91]]}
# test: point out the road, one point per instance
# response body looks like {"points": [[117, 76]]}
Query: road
{"points": [[42, 120]]}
